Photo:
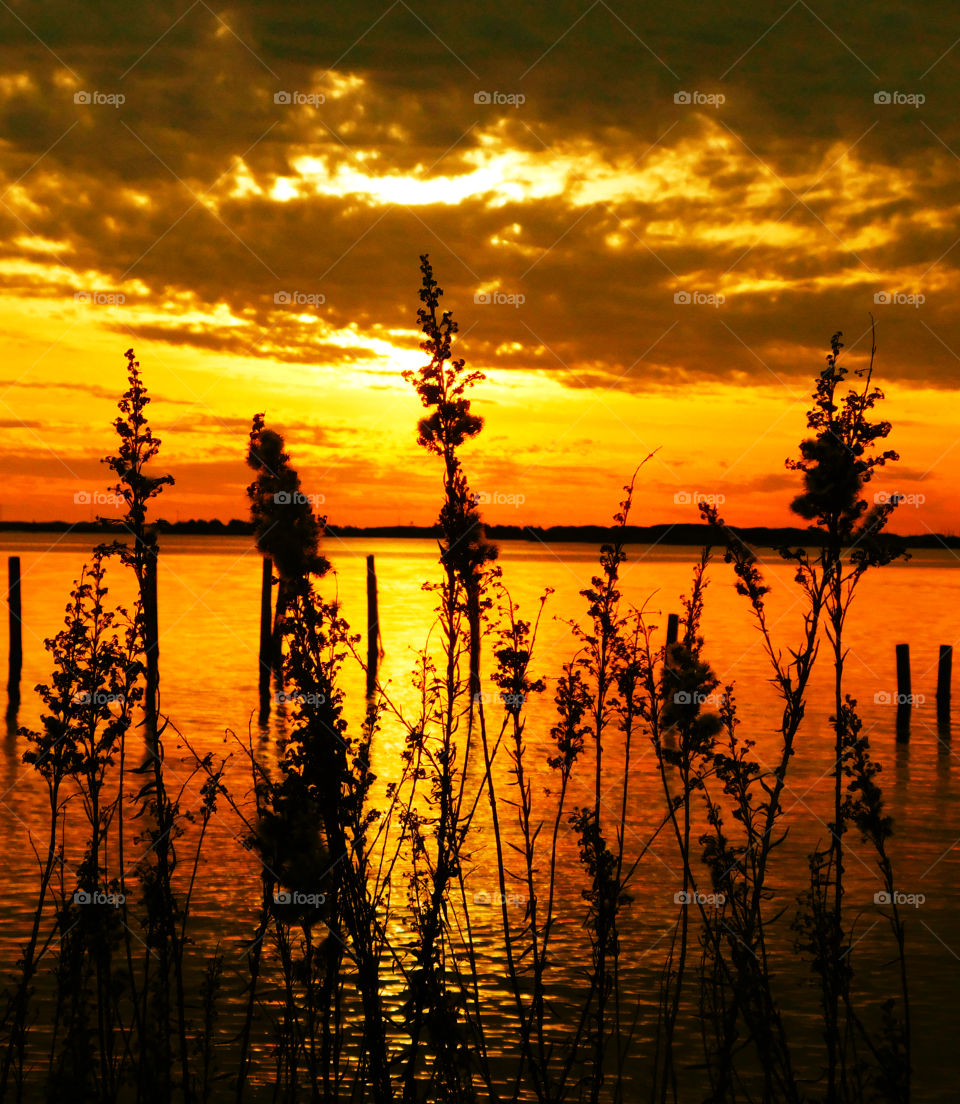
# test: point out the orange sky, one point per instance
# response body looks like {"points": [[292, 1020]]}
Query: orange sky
{"points": [[647, 235]]}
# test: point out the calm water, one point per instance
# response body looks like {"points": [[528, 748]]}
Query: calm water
{"points": [[209, 609]]}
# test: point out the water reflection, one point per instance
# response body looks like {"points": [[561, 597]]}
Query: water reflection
{"points": [[209, 670]]}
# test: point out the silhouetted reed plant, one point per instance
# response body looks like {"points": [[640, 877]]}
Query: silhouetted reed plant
{"points": [[423, 936], [110, 1012]]}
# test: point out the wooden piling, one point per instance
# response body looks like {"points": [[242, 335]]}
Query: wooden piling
{"points": [[15, 665], [266, 637], [151, 648], [373, 628], [904, 696], [673, 629], [279, 619], [944, 673]]}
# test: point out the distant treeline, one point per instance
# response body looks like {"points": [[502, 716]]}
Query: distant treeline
{"points": [[687, 534]]}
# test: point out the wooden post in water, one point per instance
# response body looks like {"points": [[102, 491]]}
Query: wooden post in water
{"points": [[944, 672], [16, 636], [904, 698], [373, 628], [279, 617], [266, 638], [151, 647], [673, 629]]}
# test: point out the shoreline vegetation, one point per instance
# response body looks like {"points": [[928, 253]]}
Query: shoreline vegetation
{"points": [[685, 534], [372, 968]]}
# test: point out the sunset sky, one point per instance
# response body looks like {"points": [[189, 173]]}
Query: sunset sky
{"points": [[647, 221]]}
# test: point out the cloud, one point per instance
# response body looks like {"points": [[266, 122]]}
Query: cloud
{"points": [[93, 389], [780, 212]]}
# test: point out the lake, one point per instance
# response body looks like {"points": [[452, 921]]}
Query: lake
{"points": [[209, 611]]}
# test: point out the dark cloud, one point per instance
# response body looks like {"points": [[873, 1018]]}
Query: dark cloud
{"points": [[292, 430], [798, 198], [92, 389]]}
